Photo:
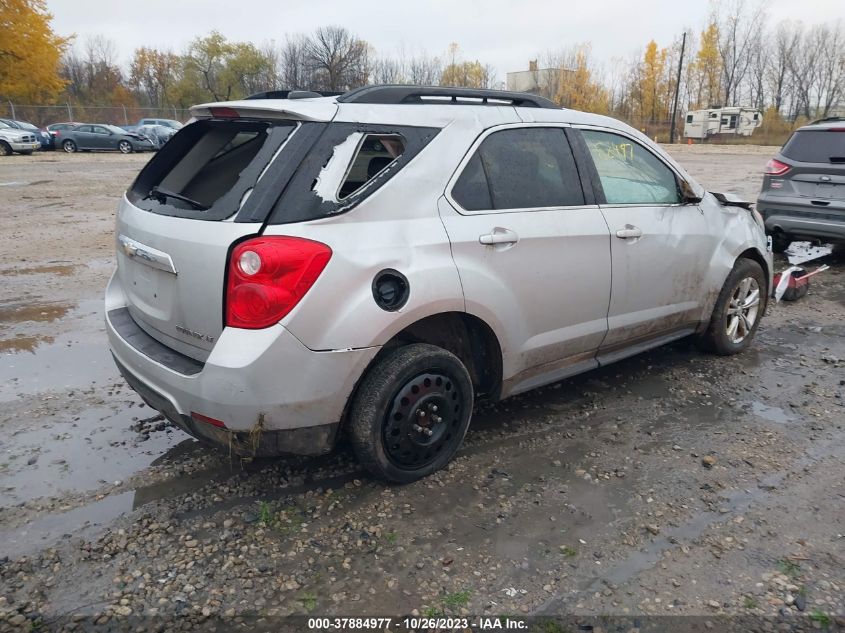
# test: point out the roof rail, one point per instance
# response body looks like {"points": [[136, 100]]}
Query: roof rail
{"points": [[292, 94], [829, 119], [404, 94]]}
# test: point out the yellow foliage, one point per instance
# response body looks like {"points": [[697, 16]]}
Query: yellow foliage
{"points": [[652, 89], [706, 69], [29, 52], [578, 90]]}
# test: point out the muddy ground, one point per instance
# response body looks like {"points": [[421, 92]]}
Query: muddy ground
{"points": [[673, 483]]}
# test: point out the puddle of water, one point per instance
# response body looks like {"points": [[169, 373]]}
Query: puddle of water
{"points": [[43, 362], [79, 522], [82, 452], [65, 363], [772, 414], [800, 252], [14, 183]]}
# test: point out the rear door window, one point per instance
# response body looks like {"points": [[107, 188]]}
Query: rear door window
{"points": [[629, 173], [209, 168], [521, 168], [816, 146]]}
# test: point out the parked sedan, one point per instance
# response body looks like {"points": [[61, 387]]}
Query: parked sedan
{"points": [[90, 136], [56, 129]]}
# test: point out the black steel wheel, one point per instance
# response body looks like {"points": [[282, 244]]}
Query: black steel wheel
{"points": [[411, 412]]}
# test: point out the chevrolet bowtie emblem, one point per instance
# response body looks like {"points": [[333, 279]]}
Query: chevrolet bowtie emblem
{"points": [[129, 249]]}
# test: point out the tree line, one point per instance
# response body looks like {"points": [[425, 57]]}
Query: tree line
{"points": [[789, 70]]}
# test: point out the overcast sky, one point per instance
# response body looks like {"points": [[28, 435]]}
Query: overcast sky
{"points": [[501, 33]]}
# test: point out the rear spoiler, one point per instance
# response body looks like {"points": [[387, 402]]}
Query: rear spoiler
{"points": [[731, 200], [321, 110]]}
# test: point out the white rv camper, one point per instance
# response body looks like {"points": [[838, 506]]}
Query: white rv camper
{"points": [[702, 124]]}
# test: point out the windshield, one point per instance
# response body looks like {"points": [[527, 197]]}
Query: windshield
{"points": [[27, 126], [4, 125]]}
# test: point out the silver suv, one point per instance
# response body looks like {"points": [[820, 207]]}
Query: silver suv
{"points": [[369, 265], [803, 195]]}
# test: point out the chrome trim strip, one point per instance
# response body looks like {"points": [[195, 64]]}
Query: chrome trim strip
{"points": [[146, 255]]}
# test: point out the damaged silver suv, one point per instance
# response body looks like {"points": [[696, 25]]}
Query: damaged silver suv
{"points": [[369, 265]]}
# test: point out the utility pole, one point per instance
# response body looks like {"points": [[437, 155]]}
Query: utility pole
{"points": [[12, 105], [677, 89]]}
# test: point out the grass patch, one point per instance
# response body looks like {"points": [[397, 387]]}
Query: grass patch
{"points": [[750, 603], [456, 599], [788, 567], [432, 612], [569, 552], [265, 514], [821, 617], [391, 537], [308, 601]]}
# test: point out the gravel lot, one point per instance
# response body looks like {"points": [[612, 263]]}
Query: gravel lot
{"points": [[673, 483]]}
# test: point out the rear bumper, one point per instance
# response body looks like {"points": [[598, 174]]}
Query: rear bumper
{"points": [[801, 219], [273, 394]]}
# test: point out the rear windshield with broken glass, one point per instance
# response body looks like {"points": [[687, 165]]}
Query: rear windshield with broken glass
{"points": [[209, 168], [823, 145]]}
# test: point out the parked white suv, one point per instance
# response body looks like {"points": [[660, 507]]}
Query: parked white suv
{"points": [[371, 264], [16, 140]]}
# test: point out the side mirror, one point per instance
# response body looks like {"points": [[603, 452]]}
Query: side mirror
{"points": [[689, 196]]}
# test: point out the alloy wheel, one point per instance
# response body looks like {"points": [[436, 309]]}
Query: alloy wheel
{"points": [[743, 310]]}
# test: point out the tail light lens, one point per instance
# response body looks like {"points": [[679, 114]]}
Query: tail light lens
{"points": [[776, 168], [268, 276]]}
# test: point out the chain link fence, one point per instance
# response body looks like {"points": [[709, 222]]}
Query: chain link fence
{"points": [[42, 115]]}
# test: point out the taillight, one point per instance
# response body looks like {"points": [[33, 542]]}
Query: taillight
{"points": [[268, 276], [776, 168]]}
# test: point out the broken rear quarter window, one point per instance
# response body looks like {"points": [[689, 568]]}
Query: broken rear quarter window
{"points": [[375, 153], [347, 164]]}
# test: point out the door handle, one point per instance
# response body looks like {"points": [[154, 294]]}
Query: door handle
{"points": [[629, 232], [499, 236]]}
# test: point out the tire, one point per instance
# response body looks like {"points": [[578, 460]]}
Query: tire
{"points": [[780, 242], [69, 146], [390, 437], [125, 147], [5, 149], [729, 317]]}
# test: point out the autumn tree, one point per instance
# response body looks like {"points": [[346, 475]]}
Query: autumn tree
{"points": [[206, 58], [740, 32], [154, 74], [651, 84], [465, 74], [577, 86], [29, 52], [705, 71], [93, 75], [338, 60]]}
